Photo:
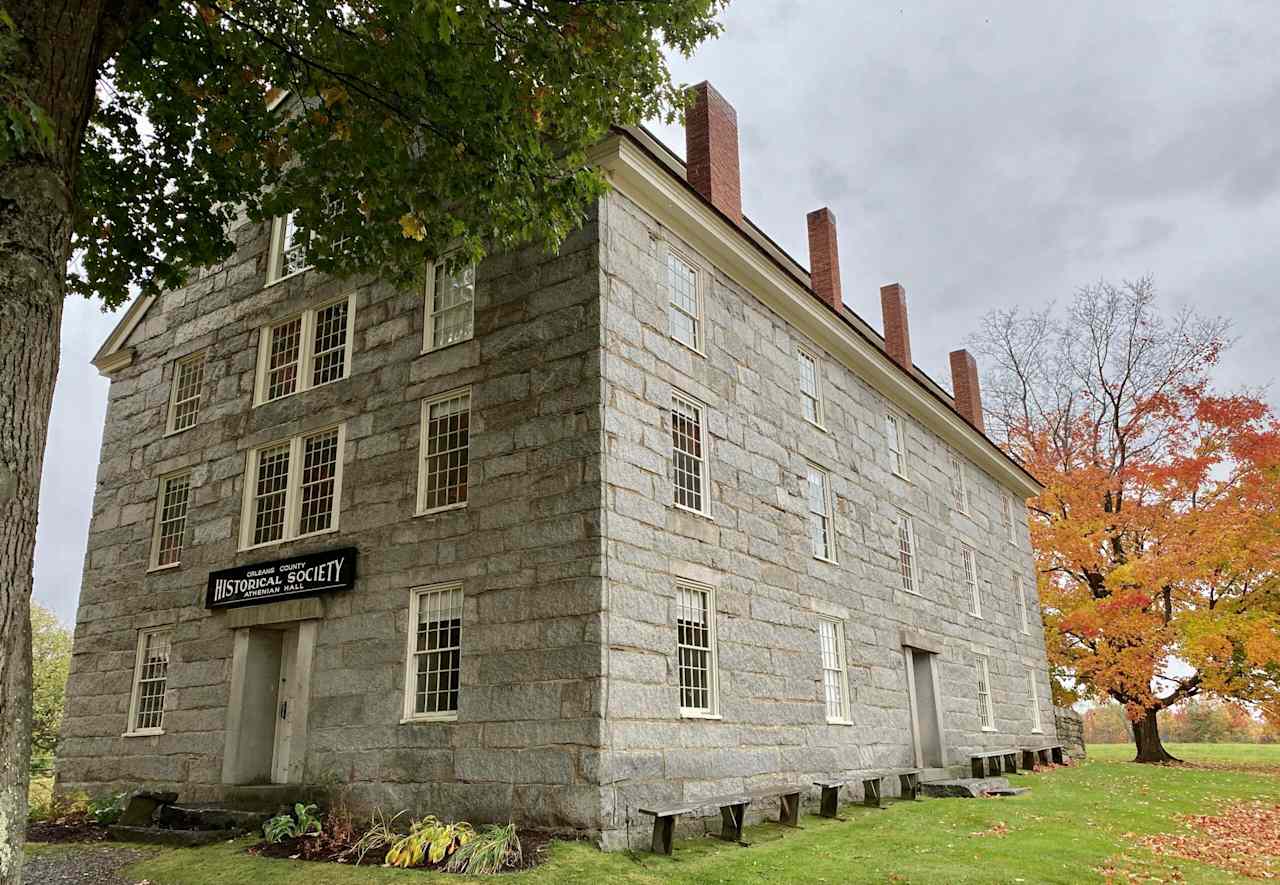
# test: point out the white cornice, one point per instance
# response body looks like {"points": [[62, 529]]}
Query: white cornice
{"points": [[657, 189], [113, 356]]}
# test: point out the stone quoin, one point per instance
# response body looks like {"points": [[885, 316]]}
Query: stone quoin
{"points": [[653, 518]]}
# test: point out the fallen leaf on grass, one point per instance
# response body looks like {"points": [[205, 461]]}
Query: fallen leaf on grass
{"points": [[999, 828], [1244, 839]]}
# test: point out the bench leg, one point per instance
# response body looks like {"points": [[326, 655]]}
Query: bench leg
{"points": [[789, 810], [1011, 763], [872, 794], [1028, 759], [830, 801], [731, 817], [1057, 756], [978, 767], [663, 827], [910, 784], [1044, 756]]}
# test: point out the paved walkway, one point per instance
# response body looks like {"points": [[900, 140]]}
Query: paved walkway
{"points": [[81, 865]]}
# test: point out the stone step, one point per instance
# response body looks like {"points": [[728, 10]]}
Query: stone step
{"points": [[186, 817], [165, 836], [971, 788]]}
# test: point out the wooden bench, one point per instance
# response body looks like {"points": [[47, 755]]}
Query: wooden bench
{"points": [[991, 762], [830, 806], [1044, 755], [873, 785], [733, 811]]}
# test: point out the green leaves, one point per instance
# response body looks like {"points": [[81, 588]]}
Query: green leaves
{"points": [[411, 128]]}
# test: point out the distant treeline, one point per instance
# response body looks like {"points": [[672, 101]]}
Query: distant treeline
{"points": [[1195, 721]]}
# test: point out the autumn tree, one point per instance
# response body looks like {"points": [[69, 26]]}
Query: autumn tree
{"points": [[1158, 535], [133, 132]]}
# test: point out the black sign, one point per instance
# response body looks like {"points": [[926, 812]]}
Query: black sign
{"points": [[306, 575]]}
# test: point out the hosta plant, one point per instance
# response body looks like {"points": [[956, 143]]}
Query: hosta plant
{"points": [[304, 821], [429, 841]]}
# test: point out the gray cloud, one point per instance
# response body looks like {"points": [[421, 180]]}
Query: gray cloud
{"points": [[983, 154]]}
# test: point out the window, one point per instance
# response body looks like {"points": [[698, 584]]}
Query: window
{"points": [[959, 485], [819, 500], [986, 713], [151, 673], [293, 488], [450, 306], [696, 650], [1006, 517], [688, 455], [184, 396], [684, 313], [897, 438], [1035, 701], [810, 387], [907, 553], [305, 351], [835, 679], [434, 661], [1021, 593], [444, 452], [290, 248], [970, 560], [171, 520]]}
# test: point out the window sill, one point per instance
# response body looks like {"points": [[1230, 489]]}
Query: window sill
{"points": [[989, 729], [174, 432], [976, 615], [839, 722], [825, 559], [1037, 731], [265, 544], [817, 424], [700, 714], [439, 347], [901, 476], [687, 346], [257, 403], [164, 568], [915, 593], [689, 510], [436, 511], [288, 276], [144, 733], [429, 719]]}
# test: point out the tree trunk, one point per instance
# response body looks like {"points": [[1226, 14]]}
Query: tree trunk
{"points": [[1146, 737]]}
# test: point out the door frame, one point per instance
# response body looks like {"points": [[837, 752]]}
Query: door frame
{"points": [[908, 654]]}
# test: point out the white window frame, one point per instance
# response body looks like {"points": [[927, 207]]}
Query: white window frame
{"points": [[423, 421], [912, 550], [689, 403], [157, 521], [199, 356], [135, 693], [699, 320], [986, 708], [293, 488], [842, 671], [275, 255], [416, 596], [804, 354], [1019, 587], [429, 316], [829, 526], [1037, 726], [1007, 513], [959, 485], [895, 431], [713, 653], [972, 584], [306, 350]]}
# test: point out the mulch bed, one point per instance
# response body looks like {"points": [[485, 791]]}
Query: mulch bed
{"points": [[534, 849], [74, 828]]}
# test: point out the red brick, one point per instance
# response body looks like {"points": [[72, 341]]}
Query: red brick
{"points": [[897, 336], [824, 256], [964, 381], [711, 150]]}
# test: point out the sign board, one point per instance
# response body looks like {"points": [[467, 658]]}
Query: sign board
{"points": [[307, 575]]}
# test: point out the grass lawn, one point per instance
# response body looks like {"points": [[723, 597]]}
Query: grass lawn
{"points": [[1074, 823]]}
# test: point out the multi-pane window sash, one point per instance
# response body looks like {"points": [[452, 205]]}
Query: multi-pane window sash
{"points": [[906, 532], [688, 455], [434, 663], [819, 501], [1035, 701], [684, 310], [1006, 517], [896, 436], [444, 452], [450, 306], [959, 485], [151, 672], [810, 387], [184, 397], [305, 351], [293, 488], [290, 249], [835, 685], [986, 713], [171, 520], [1021, 593], [970, 561], [695, 650]]}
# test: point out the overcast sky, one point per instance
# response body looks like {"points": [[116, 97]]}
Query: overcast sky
{"points": [[982, 154]]}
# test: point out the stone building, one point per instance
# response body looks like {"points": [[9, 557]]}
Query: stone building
{"points": [[651, 518]]}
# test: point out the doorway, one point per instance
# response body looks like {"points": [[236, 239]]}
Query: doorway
{"points": [[926, 723], [266, 720]]}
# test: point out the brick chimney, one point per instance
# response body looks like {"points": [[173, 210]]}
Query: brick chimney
{"points": [[964, 381], [711, 150], [824, 256], [897, 337]]}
